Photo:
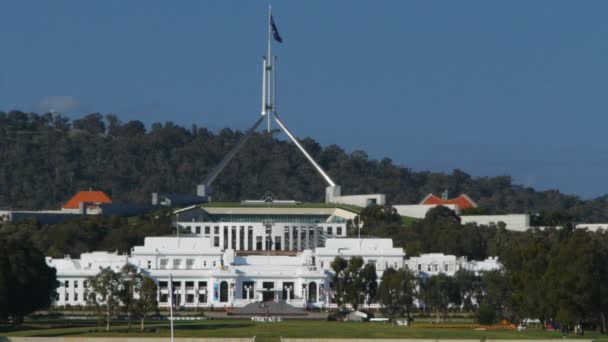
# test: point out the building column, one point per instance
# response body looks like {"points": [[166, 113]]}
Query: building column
{"points": [[299, 237], [283, 242], [318, 291], [238, 238], [307, 243], [316, 237], [290, 238], [183, 291], [264, 240], [245, 238], [230, 237]]}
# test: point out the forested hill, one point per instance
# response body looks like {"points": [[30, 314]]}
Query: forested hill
{"points": [[45, 159]]}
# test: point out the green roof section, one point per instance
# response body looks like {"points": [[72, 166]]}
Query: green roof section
{"points": [[352, 208]]}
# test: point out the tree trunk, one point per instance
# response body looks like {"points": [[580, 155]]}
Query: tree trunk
{"points": [[129, 320], [107, 317], [603, 322], [142, 324]]}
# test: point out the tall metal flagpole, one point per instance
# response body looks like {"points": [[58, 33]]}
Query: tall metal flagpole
{"points": [[171, 303], [269, 70]]}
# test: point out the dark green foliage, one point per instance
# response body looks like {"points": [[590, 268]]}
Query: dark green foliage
{"points": [[397, 292], [339, 281], [92, 233], [106, 289], [26, 282], [486, 314], [146, 303], [439, 292], [470, 287], [46, 159], [441, 231]]}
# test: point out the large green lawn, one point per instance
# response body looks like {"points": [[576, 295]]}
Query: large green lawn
{"points": [[266, 332]]}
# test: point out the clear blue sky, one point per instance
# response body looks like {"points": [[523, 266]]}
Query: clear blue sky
{"points": [[490, 87]]}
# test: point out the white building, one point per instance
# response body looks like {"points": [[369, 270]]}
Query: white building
{"points": [[207, 276], [269, 226], [431, 264]]}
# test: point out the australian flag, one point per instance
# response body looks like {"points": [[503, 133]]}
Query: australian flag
{"points": [[275, 31]]}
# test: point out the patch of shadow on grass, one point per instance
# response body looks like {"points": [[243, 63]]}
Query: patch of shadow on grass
{"points": [[213, 326], [59, 333]]}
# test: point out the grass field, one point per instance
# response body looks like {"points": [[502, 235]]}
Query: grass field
{"points": [[271, 332]]}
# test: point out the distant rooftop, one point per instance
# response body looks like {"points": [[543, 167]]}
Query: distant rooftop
{"points": [[95, 197], [463, 201]]}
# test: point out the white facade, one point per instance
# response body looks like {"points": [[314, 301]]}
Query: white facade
{"points": [[431, 264], [517, 222], [419, 210], [592, 227], [379, 252], [207, 276], [259, 228]]}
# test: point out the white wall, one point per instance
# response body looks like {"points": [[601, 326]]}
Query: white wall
{"points": [[517, 222], [360, 200], [592, 226], [419, 210]]}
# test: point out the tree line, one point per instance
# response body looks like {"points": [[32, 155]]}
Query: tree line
{"points": [[47, 158], [558, 275]]}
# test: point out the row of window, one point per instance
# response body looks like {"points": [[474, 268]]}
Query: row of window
{"points": [[432, 267], [206, 230], [177, 264], [66, 283], [66, 296]]}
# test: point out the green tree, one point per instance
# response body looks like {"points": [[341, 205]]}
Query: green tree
{"points": [[354, 282], [496, 292], [439, 292], [397, 292], [486, 314], [470, 287], [146, 303], [370, 282], [131, 280], [26, 282], [339, 281], [106, 289]]}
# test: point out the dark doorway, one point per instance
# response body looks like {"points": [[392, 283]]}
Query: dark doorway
{"points": [[268, 296], [223, 292], [312, 292]]}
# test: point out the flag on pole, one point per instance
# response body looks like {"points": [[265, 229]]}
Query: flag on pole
{"points": [[275, 31]]}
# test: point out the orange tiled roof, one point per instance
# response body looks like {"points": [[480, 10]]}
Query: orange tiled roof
{"points": [[463, 201], [87, 197]]}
